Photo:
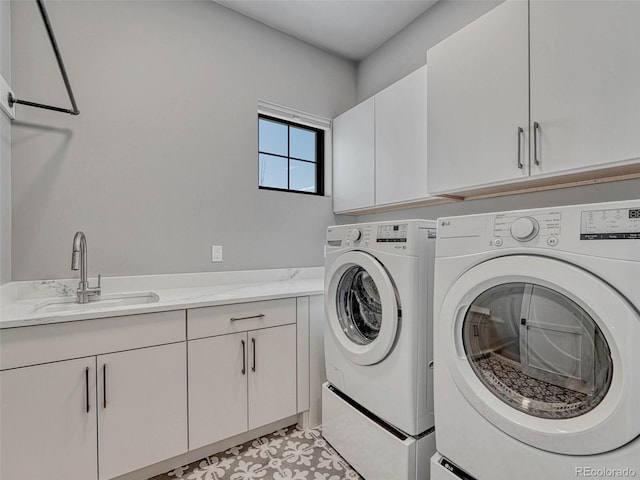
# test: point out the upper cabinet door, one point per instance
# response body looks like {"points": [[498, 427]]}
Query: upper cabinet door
{"points": [[478, 95], [585, 77], [401, 140], [354, 158]]}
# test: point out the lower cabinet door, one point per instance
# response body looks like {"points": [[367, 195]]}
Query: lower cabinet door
{"points": [[272, 374], [48, 421], [217, 388], [142, 407]]}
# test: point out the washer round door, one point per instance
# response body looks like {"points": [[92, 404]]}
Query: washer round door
{"points": [[363, 310], [545, 355]]}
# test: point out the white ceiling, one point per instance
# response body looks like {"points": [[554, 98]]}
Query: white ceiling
{"points": [[349, 28]]}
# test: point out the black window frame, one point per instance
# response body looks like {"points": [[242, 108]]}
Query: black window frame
{"points": [[319, 163]]}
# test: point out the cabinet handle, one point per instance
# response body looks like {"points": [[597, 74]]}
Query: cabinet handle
{"points": [[244, 357], [235, 319], [86, 385], [104, 386], [520, 133], [536, 130], [253, 343]]}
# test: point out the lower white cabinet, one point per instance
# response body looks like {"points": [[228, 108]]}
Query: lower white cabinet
{"points": [[240, 381], [92, 399], [48, 413], [272, 375], [97, 399], [142, 408], [217, 388], [109, 414]]}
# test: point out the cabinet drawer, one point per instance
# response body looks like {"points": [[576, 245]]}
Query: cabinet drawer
{"points": [[60, 341], [239, 317]]}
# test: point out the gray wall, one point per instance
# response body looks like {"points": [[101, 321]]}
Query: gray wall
{"points": [[5, 148], [604, 192], [161, 163], [406, 52]]}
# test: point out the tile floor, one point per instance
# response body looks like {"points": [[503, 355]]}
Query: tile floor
{"points": [[288, 454]]}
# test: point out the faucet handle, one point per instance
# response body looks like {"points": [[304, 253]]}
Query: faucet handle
{"points": [[97, 290]]}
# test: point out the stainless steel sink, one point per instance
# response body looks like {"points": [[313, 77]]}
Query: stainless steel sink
{"points": [[70, 304]]}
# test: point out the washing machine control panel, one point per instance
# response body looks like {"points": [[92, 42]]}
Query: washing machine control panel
{"points": [[510, 229], [525, 228], [377, 234], [392, 233], [613, 224]]}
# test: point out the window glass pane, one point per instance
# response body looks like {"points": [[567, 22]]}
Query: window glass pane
{"points": [[358, 305], [537, 350], [303, 176], [273, 172], [272, 137], [303, 144]]}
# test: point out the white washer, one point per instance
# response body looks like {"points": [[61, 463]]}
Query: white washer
{"points": [[537, 335], [378, 406]]}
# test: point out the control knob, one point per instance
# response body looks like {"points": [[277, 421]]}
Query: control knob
{"points": [[356, 235], [524, 228]]}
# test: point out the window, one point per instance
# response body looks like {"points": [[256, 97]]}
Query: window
{"points": [[290, 156]]}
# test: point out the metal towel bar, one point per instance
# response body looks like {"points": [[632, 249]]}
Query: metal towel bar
{"points": [[63, 71]]}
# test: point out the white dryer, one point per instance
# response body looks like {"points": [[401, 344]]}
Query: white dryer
{"points": [[536, 332], [378, 404]]}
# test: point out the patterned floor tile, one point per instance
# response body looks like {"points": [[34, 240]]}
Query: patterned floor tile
{"points": [[288, 454]]}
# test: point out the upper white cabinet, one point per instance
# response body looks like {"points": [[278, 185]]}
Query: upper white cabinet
{"points": [[380, 148], [533, 90], [478, 102], [585, 78], [401, 140], [354, 158]]}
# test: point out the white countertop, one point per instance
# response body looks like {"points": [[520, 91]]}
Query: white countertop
{"points": [[176, 292]]}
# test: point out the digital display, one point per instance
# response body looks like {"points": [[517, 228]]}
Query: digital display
{"points": [[392, 233], [613, 224]]}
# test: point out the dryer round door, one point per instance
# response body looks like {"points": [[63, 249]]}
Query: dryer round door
{"points": [[362, 307], [545, 355]]}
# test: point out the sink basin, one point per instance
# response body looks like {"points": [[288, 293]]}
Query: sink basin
{"points": [[70, 304]]}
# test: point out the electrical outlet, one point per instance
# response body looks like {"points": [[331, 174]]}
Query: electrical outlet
{"points": [[216, 253]]}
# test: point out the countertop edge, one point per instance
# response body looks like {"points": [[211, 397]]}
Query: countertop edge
{"points": [[283, 289]]}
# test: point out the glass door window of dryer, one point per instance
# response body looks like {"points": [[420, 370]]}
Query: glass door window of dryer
{"points": [[537, 350], [359, 306]]}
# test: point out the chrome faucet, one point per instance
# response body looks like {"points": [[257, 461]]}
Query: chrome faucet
{"points": [[79, 261]]}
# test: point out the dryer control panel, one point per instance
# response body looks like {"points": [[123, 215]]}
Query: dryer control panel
{"points": [[401, 237]]}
